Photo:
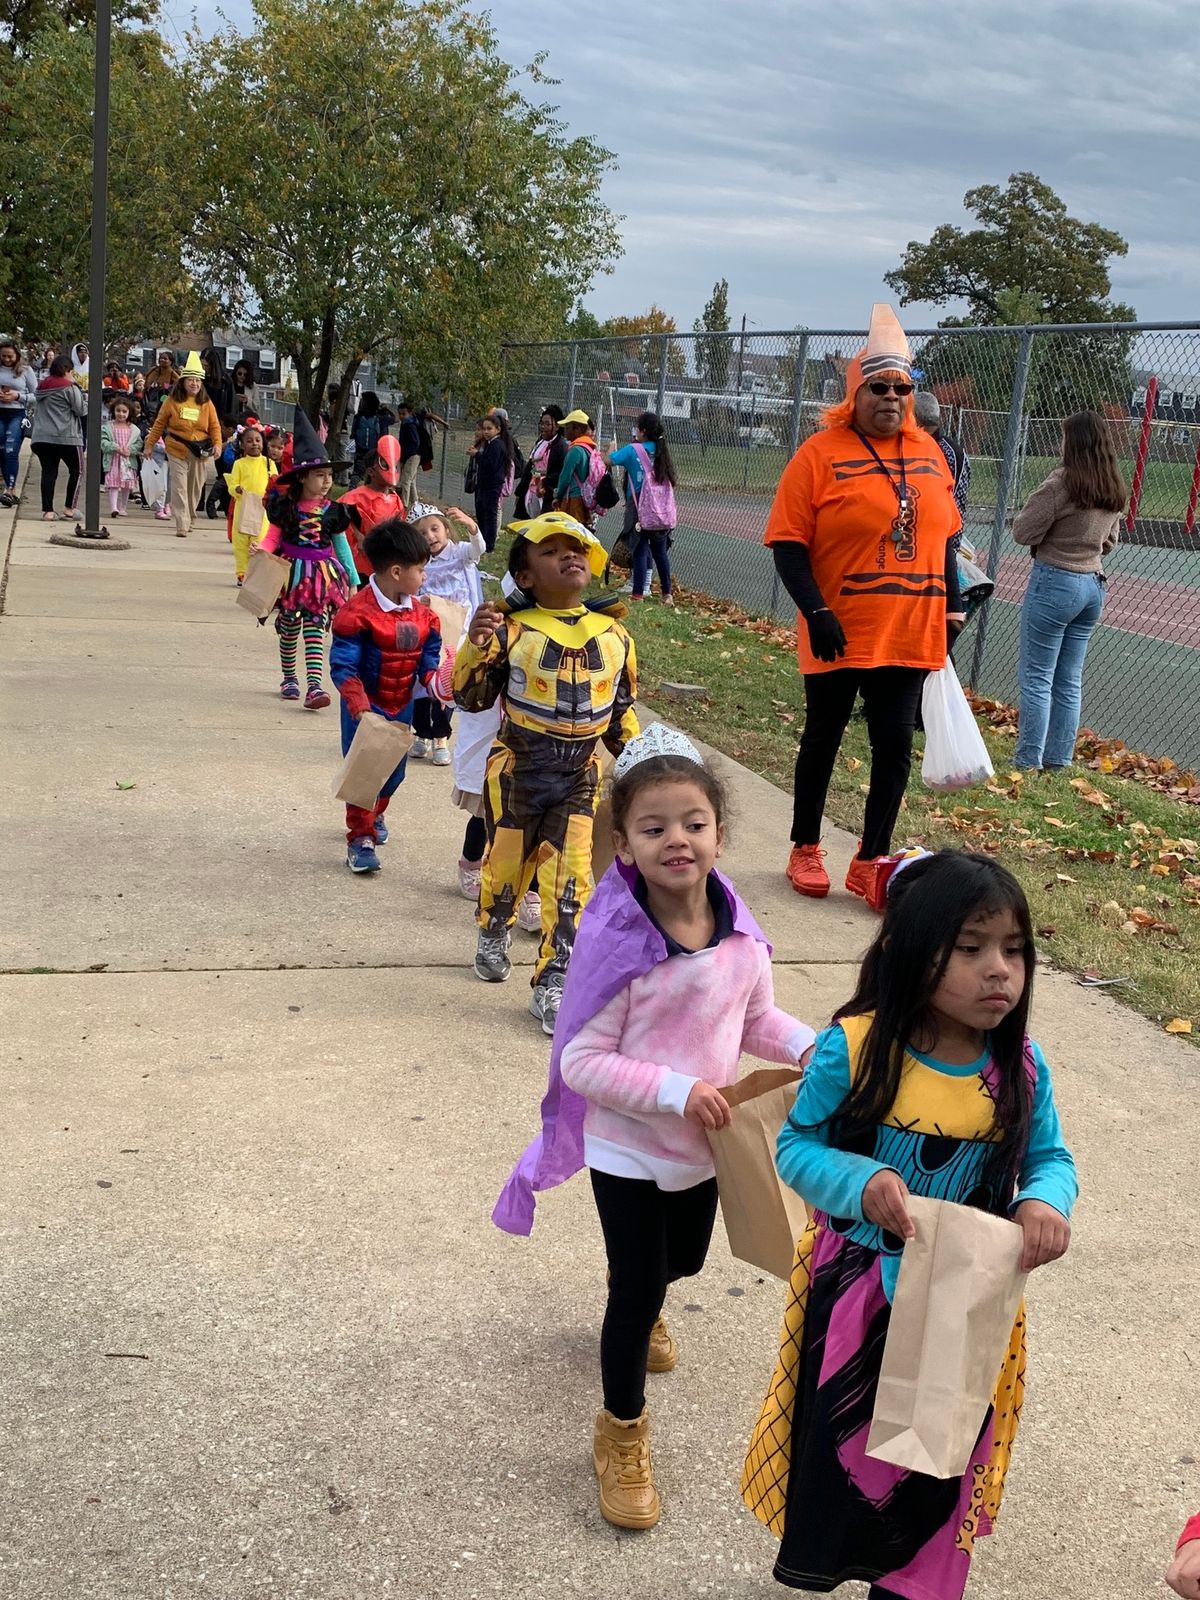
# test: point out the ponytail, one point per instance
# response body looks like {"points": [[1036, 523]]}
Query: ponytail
{"points": [[650, 425]]}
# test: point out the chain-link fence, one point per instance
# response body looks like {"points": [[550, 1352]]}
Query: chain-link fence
{"points": [[736, 406]]}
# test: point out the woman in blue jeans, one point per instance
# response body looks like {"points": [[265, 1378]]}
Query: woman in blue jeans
{"points": [[1069, 525], [18, 384]]}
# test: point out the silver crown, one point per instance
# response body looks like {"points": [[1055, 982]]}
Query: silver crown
{"points": [[658, 740], [419, 509]]}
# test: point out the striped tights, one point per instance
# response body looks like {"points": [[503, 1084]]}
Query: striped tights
{"points": [[314, 648]]}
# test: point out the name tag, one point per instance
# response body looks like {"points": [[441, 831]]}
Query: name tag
{"points": [[190, 413]]}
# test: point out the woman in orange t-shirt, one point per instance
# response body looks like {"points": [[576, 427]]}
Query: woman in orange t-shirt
{"points": [[860, 531]]}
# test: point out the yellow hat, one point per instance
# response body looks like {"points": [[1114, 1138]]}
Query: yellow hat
{"points": [[552, 523], [579, 418], [193, 367]]}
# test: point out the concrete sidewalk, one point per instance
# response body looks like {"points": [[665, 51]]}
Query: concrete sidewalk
{"points": [[260, 1337]]}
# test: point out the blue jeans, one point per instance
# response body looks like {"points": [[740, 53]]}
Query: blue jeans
{"points": [[656, 546], [1058, 615], [10, 437]]}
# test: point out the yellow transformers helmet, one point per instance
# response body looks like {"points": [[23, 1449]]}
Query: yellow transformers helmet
{"points": [[552, 523]]}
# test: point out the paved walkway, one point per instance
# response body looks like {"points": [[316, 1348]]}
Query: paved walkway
{"points": [[259, 1336]]}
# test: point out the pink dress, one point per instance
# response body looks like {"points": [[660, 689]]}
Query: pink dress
{"points": [[121, 473]]}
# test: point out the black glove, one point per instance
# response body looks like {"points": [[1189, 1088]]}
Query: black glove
{"points": [[825, 635]]}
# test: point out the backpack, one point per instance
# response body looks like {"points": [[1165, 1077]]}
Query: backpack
{"points": [[425, 440], [655, 501], [598, 491], [367, 433]]}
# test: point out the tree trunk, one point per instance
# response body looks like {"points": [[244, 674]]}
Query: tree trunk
{"points": [[338, 415]]}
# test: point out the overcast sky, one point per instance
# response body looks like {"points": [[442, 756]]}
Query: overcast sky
{"points": [[796, 148]]}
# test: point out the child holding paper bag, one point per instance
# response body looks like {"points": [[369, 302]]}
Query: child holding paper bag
{"points": [[385, 642], [670, 983], [926, 1083]]}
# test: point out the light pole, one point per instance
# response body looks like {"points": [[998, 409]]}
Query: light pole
{"points": [[91, 496]]}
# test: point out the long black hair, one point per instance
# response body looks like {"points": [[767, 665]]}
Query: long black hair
{"points": [[926, 909], [649, 425]]}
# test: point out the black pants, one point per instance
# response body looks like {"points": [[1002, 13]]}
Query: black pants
{"points": [[431, 719], [652, 1237], [474, 840], [487, 515], [52, 456], [891, 697]]}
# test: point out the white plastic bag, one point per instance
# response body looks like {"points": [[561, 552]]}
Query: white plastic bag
{"points": [[955, 754]]}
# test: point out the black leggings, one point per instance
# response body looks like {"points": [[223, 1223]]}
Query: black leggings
{"points": [[487, 515], [431, 719], [52, 456], [474, 840], [891, 697], [652, 1237]]}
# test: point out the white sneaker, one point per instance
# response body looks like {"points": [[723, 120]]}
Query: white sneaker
{"points": [[529, 912], [470, 877], [545, 1001], [441, 753], [419, 749]]}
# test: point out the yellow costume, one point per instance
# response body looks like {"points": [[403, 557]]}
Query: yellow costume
{"points": [[567, 680], [247, 484]]}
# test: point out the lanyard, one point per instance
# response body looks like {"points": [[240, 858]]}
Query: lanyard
{"points": [[900, 485]]}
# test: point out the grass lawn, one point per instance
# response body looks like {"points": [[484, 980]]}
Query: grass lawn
{"points": [[1111, 867], [1165, 488]]}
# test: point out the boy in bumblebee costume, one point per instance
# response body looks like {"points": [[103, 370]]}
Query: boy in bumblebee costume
{"points": [[567, 676]]}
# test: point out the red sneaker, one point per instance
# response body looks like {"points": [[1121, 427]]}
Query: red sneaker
{"points": [[805, 871], [866, 880]]}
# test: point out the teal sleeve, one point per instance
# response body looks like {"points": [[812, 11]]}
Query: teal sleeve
{"points": [[345, 555], [829, 1180], [1048, 1170], [625, 457]]}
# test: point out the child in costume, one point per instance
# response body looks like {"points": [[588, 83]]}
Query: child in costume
{"points": [[495, 473], [120, 454], [452, 574], [247, 481], [309, 530], [926, 1081], [669, 984], [376, 499], [385, 643], [567, 673]]}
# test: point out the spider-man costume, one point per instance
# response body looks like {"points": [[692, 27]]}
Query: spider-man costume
{"points": [[380, 653]]}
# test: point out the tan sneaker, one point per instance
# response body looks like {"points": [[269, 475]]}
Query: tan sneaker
{"points": [[664, 1352], [621, 1454]]}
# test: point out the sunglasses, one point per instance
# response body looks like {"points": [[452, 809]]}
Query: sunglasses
{"points": [[881, 388]]}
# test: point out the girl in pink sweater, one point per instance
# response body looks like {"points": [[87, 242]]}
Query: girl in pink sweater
{"points": [[650, 1063]]}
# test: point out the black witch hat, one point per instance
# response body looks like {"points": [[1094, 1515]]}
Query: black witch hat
{"points": [[308, 451]]}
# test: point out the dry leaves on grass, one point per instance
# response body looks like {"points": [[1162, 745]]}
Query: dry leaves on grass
{"points": [[1177, 1025]]}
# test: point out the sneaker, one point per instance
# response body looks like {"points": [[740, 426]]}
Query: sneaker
{"points": [[626, 588], [419, 749], [663, 1353], [470, 877], [441, 753], [529, 912], [7, 499], [316, 699], [860, 879], [491, 957], [545, 1001], [361, 857], [625, 1471], [380, 829], [162, 515], [289, 689], [668, 600], [806, 872]]}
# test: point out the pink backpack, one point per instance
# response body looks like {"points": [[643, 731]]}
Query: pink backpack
{"points": [[597, 467], [655, 501]]}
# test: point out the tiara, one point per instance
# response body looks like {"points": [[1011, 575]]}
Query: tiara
{"points": [[657, 740]]}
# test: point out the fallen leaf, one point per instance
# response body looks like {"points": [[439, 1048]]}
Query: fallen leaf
{"points": [[1065, 877], [1111, 914], [1177, 1025], [1055, 822], [1047, 932], [852, 763], [1158, 870], [121, 785]]}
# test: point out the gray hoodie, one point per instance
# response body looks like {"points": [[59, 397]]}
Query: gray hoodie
{"points": [[58, 418], [24, 382]]}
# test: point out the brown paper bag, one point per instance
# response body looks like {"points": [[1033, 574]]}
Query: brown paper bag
{"points": [[604, 852], [763, 1216], [957, 1296], [250, 514], [265, 577], [453, 619], [375, 753]]}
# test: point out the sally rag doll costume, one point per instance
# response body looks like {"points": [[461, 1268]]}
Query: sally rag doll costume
{"points": [[311, 534], [840, 1514]]}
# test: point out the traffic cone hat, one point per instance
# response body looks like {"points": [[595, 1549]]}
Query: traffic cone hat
{"points": [[193, 367]]}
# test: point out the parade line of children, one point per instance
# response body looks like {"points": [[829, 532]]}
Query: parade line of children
{"points": [[654, 982]]}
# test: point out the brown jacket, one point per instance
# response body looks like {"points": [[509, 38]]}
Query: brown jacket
{"points": [[172, 420], [1062, 535]]}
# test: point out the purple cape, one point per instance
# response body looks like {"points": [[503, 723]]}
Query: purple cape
{"points": [[616, 943]]}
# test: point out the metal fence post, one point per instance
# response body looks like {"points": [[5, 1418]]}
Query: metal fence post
{"points": [[798, 385], [1004, 482], [571, 375], [445, 439], [660, 399]]}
